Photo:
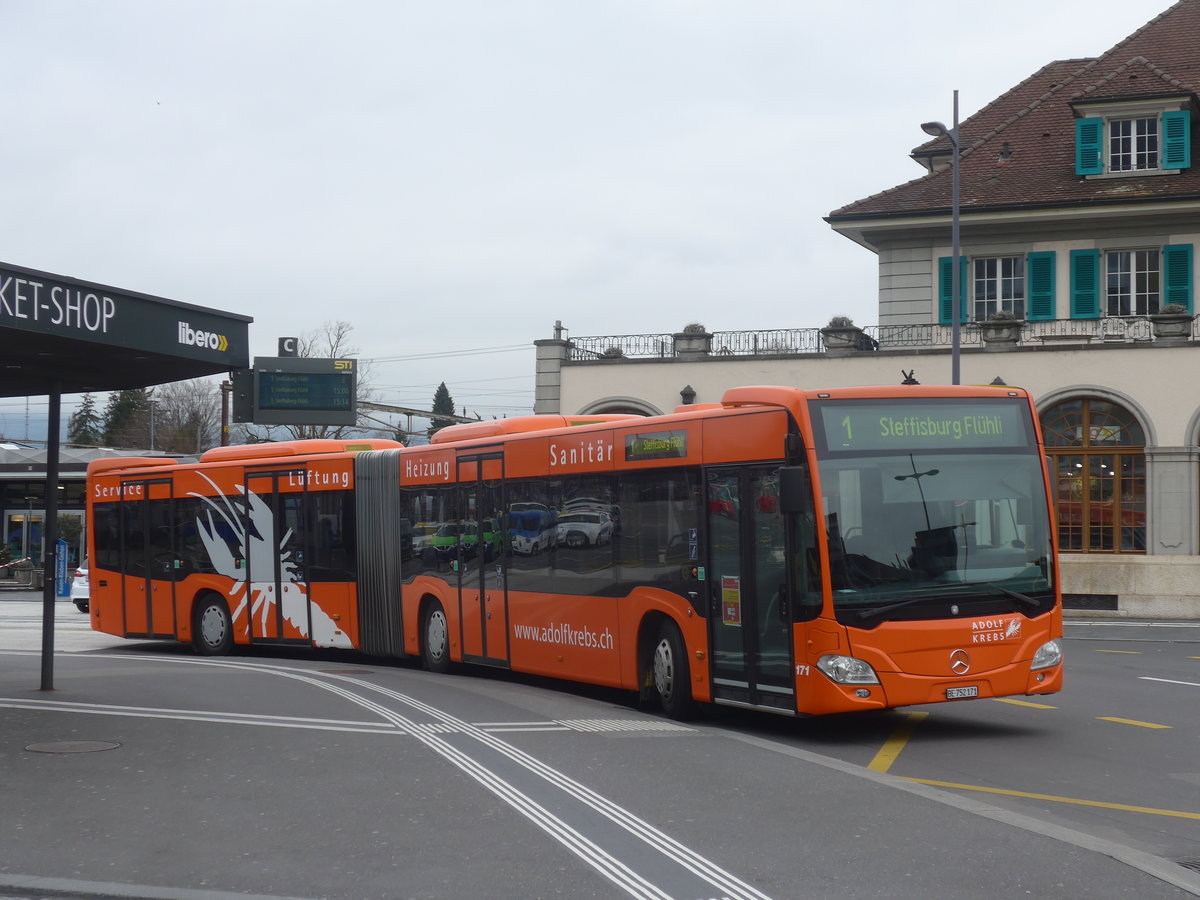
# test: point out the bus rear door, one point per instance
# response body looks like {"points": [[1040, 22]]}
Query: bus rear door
{"points": [[483, 560], [273, 523], [749, 614]]}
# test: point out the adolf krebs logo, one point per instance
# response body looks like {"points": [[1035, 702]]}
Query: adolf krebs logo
{"points": [[194, 337]]}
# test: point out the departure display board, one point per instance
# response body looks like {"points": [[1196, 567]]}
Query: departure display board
{"points": [[306, 390], [286, 390]]}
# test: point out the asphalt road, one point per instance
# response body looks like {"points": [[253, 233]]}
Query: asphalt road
{"points": [[333, 775]]}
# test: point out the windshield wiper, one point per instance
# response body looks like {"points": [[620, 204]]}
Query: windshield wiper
{"points": [[1031, 602], [865, 614]]}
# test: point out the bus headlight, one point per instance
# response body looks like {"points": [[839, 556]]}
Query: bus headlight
{"points": [[1049, 654], [847, 670]]}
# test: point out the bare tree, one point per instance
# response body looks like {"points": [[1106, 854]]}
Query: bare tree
{"points": [[187, 416], [331, 341]]}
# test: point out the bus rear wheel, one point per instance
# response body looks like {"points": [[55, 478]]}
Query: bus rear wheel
{"points": [[435, 639], [212, 628], [672, 679]]}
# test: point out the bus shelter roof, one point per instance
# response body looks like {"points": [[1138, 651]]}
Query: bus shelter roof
{"points": [[64, 335]]}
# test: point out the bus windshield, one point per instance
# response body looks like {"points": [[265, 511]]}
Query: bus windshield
{"points": [[936, 526]]}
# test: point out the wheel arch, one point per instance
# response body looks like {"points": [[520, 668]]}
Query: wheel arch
{"points": [[647, 636], [427, 601]]}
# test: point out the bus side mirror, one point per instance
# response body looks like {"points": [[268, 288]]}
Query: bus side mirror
{"points": [[794, 489]]}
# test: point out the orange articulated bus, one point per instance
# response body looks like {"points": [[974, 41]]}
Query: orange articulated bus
{"points": [[796, 551]]}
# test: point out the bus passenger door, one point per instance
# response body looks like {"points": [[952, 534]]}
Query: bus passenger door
{"points": [[749, 610], [483, 560], [148, 558], [273, 527]]}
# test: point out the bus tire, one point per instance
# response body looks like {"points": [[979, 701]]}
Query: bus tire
{"points": [[212, 628], [435, 639], [672, 676]]}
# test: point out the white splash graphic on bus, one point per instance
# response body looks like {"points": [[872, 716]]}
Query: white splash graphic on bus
{"points": [[260, 548]]}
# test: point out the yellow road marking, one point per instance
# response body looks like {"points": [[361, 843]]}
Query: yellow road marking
{"points": [[893, 745], [1129, 652], [1148, 810], [1023, 703], [1131, 722]]}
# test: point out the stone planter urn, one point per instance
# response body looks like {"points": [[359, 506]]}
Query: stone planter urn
{"points": [[693, 342], [1172, 323], [1001, 331], [842, 334]]}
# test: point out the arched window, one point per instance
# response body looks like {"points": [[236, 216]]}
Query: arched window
{"points": [[1097, 451], [625, 406]]}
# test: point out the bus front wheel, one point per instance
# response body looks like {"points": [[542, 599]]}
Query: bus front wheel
{"points": [[435, 639], [212, 628], [672, 680]]}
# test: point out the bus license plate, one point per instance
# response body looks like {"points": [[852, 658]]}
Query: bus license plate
{"points": [[962, 693]]}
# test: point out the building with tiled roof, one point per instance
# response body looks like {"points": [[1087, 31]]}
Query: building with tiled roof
{"points": [[1078, 176], [1079, 217]]}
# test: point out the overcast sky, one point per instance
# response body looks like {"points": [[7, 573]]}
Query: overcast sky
{"points": [[452, 177]]}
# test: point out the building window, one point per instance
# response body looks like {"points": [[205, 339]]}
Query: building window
{"points": [[1131, 282], [1097, 450], [1022, 285], [998, 283], [1132, 144], [1129, 141]]}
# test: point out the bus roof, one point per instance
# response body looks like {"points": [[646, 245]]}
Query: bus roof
{"points": [[312, 447], [519, 425]]}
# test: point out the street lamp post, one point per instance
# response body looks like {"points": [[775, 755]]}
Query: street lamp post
{"points": [[152, 402], [937, 129]]}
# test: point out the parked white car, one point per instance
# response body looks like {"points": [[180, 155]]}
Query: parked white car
{"points": [[80, 588]]}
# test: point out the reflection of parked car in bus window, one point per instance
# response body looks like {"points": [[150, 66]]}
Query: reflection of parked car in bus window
{"points": [[453, 540], [580, 529], [531, 527], [422, 535]]}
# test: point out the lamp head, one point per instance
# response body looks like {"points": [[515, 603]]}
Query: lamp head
{"points": [[935, 129]]}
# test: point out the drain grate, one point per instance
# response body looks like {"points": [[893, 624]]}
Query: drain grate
{"points": [[72, 747], [1193, 864]]}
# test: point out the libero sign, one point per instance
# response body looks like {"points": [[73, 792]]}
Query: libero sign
{"points": [[56, 306]]}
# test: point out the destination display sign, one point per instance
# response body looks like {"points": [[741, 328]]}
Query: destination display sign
{"points": [[901, 425], [656, 445]]}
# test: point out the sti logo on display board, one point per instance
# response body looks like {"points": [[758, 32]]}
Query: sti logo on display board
{"points": [[57, 306]]}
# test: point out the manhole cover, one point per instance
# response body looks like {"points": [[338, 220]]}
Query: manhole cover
{"points": [[72, 747]]}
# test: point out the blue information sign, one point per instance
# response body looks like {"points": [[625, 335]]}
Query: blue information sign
{"points": [[62, 586]]}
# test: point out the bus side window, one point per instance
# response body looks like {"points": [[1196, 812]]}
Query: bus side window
{"points": [[106, 536]]}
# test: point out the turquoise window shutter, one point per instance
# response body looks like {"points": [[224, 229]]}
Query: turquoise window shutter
{"points": [[1089, 146], [1085, 284], [1177, 274], [1041, 285], [946, 289], [1177, 139]]}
